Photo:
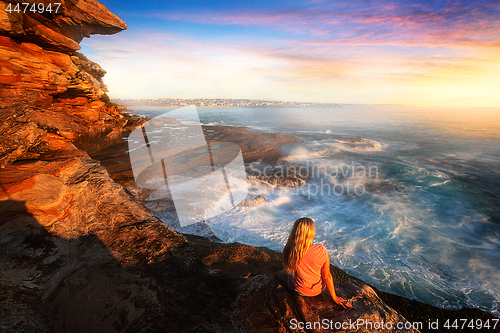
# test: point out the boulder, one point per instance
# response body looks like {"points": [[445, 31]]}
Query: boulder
{"points": [[254, 201]]}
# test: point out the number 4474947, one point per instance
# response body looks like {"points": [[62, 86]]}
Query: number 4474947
{"points": [[471, 324], [39, 8]]}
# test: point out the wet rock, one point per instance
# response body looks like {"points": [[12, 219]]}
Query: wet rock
{"points": [[117, 162], [281, 174], [256, 200], [254, 145], [164, 209]]}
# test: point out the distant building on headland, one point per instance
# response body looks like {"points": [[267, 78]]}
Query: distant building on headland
{"points": [[220, 102]]}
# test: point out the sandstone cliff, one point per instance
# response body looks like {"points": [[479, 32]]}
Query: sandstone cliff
{"points": [[79, 252], [37, 53]]}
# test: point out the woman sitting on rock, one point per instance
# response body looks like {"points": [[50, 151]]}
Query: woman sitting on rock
{"points": [[307, 264]]}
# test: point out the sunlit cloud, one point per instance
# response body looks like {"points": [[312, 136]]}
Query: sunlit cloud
{"points": [[381, 23], [355, 52]]}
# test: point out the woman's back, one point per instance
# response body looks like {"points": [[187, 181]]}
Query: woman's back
{"points": [[307, 278], [308, 263]]}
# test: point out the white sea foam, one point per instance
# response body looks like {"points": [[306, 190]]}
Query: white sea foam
{"points": [[300, 154], [396, 245], [282, 200], [326, 148], [442, 183], [360, 144]]}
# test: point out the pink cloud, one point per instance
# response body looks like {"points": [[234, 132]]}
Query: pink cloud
{"points": [[388, 23]]}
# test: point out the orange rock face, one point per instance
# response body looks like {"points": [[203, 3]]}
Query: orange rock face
{"points": [[32, 74], [39, 64], [46, 87], [62, 30]]}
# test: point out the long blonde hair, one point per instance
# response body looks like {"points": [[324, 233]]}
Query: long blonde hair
{"points": [[298, 243]]}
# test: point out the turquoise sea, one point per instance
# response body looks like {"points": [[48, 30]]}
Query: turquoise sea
{"points": [[405, 198]]}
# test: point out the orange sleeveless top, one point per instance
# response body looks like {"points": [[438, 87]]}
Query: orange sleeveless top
{"points": [[307, 278]]}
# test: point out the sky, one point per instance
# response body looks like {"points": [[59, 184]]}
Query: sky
{"points": [[422, 53]]}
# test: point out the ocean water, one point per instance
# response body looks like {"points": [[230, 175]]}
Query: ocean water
{"points": [[405, 198]]}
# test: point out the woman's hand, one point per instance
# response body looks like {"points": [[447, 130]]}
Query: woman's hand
{"points": [[328, 280], [342, 302]]}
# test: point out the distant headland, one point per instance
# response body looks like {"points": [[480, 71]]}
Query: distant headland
{"points": [[220, 103]]}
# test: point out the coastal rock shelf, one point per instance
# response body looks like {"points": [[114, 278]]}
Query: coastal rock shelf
{"points": [[79, 249]]}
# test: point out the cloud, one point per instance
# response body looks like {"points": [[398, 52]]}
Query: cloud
{"points": [[357, 52], [375, 22]]}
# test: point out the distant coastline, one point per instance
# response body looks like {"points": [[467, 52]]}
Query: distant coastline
{"points": [[219, 103]]}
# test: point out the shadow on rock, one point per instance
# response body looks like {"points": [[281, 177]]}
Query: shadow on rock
{"points": [[57, 284]]}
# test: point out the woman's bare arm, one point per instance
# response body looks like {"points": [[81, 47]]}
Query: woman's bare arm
{"points": [[328, 279]]}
